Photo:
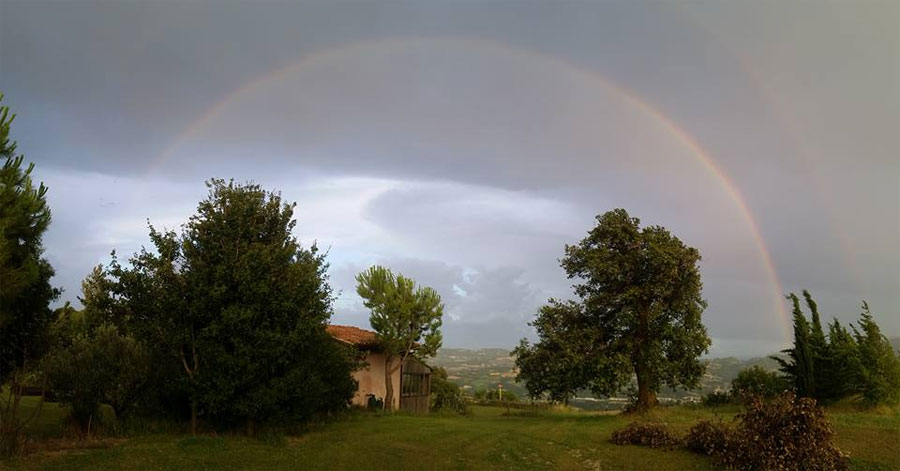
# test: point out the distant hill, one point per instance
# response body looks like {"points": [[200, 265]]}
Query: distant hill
{"points": [[477, 369], [488, 367]]}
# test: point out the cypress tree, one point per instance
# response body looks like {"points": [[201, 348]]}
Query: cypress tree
{"points": [[879, 367], [844, 361], [800, 368]]}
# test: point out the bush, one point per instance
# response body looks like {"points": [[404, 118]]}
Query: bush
{"points": [[96, 367], [647, 434], [708, 438], [483, 395], [785, 433], [717, 398], [446, 395], [757, 381]]}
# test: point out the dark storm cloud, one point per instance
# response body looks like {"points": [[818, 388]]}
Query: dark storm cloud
{"points": [[465, 144]]}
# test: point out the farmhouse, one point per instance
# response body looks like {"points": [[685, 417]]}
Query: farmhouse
{"points": [[411, 382]]}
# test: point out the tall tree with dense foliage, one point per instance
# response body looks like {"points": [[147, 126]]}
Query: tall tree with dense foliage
{"points": [[800, 366], [638, 314], [25, 290], [406, 318], [844, 362], [879, 372], [240, 306]]}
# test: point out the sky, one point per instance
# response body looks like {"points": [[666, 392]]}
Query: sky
{"points": [[465, 144]]}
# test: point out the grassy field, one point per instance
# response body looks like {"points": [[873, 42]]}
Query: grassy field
{"points": [[490, 439]]}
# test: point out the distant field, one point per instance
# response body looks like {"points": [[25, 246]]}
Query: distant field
{"points": [[490, 439]]}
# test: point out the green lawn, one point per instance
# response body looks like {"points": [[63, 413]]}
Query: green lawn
{"points": [[489, 439]]}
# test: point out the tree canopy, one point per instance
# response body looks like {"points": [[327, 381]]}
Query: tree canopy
{"points": [[557, 365], [238, 306], [638, 315]]}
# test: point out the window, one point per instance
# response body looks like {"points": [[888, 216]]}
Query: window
{"points": [[414, 384]]}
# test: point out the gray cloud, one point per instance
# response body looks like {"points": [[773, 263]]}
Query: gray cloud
{"points": [[465, 144], [482, 306]]}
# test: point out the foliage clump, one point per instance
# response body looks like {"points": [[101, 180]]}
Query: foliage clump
{"points": [[708, 438], [717, 398], [446, 396], [842, 364], [494, 395], [648, 434], [787, 432], [757, 381], [95, 366]]}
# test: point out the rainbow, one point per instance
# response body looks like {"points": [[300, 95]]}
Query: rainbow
{"points": [[803, 149], [702, 156]]}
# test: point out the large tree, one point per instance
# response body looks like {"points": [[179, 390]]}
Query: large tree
{"points": [[806, 354], [638, 314], [25, 290], [878, 377], [406, 318], [240, 306]]}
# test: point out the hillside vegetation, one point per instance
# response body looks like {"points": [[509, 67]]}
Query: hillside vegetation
{"points": [[487, 367]]}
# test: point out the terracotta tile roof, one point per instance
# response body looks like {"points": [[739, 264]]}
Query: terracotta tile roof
{"points": [[353, 335]]}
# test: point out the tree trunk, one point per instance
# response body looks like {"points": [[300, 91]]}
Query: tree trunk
{"points": [[388, 384], [194, 417], [646, 396]]}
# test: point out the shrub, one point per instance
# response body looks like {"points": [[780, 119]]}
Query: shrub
{"points": [[446, 395], [785, 433], [708, 438], [647, 434], [757, 381], [483, 395], [717, 398], [96, 367]]}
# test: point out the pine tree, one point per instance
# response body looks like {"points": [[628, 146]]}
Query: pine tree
{"points": [[25, 290]]}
